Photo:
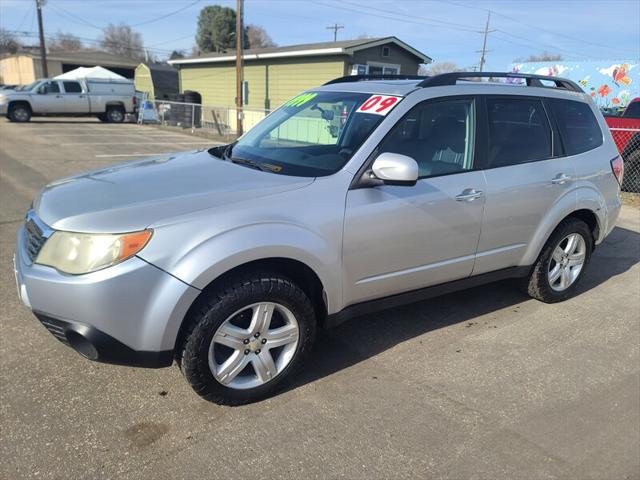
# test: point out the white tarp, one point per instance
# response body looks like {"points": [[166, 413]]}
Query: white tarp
{"points": [[92, 73]]}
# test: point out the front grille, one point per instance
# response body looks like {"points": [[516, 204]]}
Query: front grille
{"points": [[34, 237], [55, 327]]}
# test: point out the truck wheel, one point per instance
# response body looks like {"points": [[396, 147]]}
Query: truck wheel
{"points": [[20, 113], [115, 114], [631, 178], [245, 341], [561, 263]]}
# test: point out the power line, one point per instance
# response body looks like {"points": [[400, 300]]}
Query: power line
{"points": [[551, 32], [162, 17], [91, 41]]}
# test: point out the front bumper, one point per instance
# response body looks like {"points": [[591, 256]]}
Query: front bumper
{"points": [[4, 108], [128, 314]]}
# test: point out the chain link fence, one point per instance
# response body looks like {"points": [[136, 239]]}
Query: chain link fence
{"points": [[218, 121], [628, 143]]}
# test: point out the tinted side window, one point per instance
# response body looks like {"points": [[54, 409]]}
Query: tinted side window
{"points": [[519, 131], [51, 87], [437, 135], [72, 87], [578, 126]]}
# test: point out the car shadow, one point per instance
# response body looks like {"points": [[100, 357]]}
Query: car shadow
{"points": [[93, 121], [364, 337]]}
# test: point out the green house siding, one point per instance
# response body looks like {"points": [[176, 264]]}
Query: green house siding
{"points": [[271, 82], [142, 80], [398, 56]]}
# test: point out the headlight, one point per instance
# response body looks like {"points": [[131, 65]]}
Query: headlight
{"points": [[78, 253]]}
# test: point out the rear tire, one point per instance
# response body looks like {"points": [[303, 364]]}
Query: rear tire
{"points": [[115, 114], [561, 264], [19, 113], [247, 347]]}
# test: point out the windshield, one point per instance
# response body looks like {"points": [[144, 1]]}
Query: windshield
{"points": [[31, 86], [312, 135]]}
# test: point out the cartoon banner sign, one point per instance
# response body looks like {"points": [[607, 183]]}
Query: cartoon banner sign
{"points": [[610, 84]]}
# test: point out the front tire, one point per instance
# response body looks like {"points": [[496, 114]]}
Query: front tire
{"points": [[19, 113], [562, 262], [244, 342]]}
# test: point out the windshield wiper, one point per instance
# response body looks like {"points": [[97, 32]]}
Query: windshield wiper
{"points": [[257, 165]]}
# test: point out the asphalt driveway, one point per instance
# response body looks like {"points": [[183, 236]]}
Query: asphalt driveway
{"points": [[483, 384]]}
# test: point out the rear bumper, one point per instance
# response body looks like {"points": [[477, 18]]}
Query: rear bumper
{"points": [[127, 314]]}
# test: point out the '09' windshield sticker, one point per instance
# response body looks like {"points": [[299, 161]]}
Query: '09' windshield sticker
{"points": [[379, 104]]}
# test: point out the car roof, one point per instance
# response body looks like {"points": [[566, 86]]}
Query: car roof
{"points": [[515, 84], [384, 87]]}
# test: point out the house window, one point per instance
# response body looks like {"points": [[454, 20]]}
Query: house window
{"points": [[386, 51]]}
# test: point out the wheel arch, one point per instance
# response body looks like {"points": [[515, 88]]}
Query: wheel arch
{"points": [[299, 272], [13, 103]]}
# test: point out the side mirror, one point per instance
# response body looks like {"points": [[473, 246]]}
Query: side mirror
{"points": [[395, 169], [42, 90]]}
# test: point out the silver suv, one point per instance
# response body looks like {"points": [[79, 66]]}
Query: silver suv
{"points": [[356, 196]]}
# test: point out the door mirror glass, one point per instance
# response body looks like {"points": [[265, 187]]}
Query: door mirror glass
{"points": [[395, 169], [42, 90]]}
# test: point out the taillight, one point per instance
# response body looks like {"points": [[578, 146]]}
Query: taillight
{"points": [[135, 101], [617, 166]]}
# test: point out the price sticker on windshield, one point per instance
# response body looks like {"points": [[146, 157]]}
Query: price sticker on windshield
{"points": [[379, 104]]}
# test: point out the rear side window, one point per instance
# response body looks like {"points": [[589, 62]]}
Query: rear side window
{"points": [[577, 125], [519, 131], [72, 87]]}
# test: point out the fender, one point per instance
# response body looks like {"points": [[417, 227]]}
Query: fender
{"points": [[211, 258], [579, 198]]}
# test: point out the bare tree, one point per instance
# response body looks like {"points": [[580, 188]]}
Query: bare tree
{"points": [[438, 68], [8, 42], [258, 37], [543, 57], [65, 42], [122, 40]]}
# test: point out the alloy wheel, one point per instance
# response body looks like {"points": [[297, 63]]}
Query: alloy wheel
{"points": [[567, 262], [253, 345], [21, 114]]}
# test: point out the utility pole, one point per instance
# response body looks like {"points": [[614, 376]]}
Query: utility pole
{"points": [[43, 48], [335, 27], [484, 50], [239, 71]]}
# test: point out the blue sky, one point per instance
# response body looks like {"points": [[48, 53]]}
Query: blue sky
{"points": [[446, 30]]}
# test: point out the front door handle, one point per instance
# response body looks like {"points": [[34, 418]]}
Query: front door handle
{"points": [[560, 179], [469, 195]]}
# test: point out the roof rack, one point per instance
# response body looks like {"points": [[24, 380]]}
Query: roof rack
{"points": [[531, 79], [361, 78]]}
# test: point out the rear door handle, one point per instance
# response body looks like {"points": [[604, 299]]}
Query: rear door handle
{"points": [[469, 195], [561, 179]]}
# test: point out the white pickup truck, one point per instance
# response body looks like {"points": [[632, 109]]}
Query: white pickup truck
{"points": [[108, 100]]}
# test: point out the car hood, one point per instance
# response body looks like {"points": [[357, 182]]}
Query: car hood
{"points": [[135, 195]]}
